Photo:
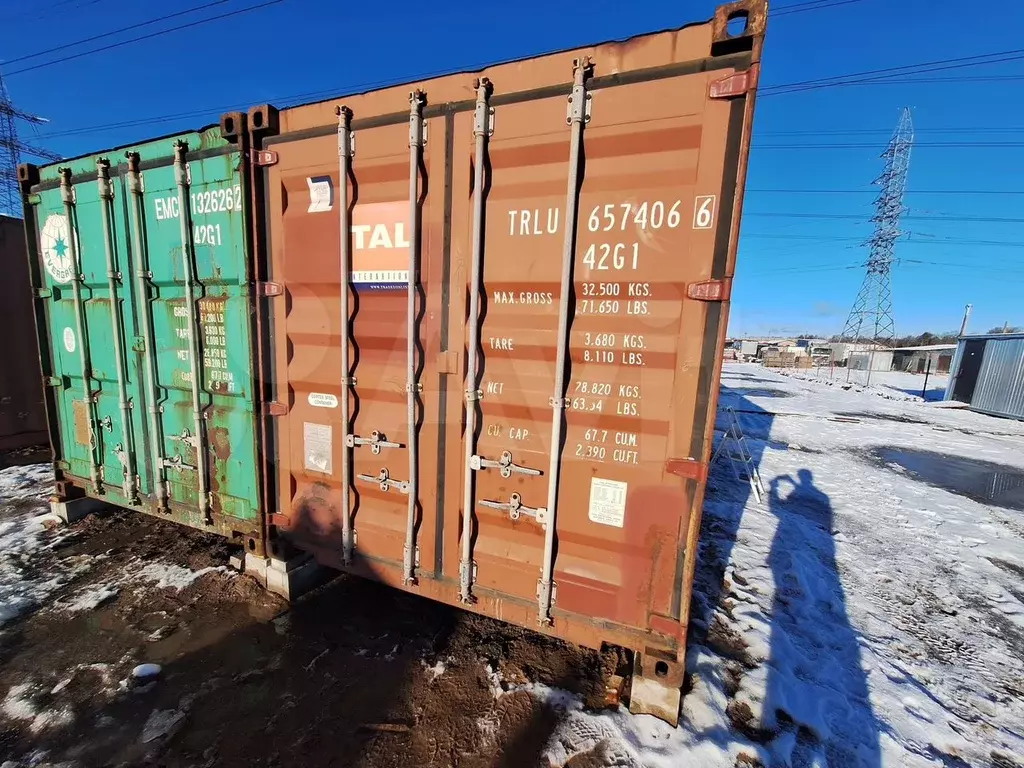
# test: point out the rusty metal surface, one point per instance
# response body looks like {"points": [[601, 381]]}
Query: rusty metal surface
{"points": [[22, 416], [664, 157]]}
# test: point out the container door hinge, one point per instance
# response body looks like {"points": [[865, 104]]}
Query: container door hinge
{"points": [[275, 409], [690, 468], [265, 290], [43, 293], [731, 86], [54, 381], [264, 157], [710, 290]]}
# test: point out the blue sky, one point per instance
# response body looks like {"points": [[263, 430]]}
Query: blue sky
{"points": [[800, 248]]}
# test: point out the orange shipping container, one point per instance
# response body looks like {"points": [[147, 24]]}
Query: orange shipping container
{"points": [[497, 310]]}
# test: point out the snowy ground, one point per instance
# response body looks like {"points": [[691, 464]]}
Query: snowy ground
{"points": [[869, 611], [862, 615], [898, 384]]}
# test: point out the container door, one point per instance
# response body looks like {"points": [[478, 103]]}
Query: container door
{"points": [[133, 430], [216, 309], [313, 441], [658, 165], [970, 367], [90, 301]]}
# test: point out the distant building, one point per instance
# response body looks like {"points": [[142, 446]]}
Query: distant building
{"points": [[934, 357], [870, 360], [841, 350], [988, 374]]}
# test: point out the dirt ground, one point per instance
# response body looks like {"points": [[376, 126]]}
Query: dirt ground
{"points": [[351, 675]]}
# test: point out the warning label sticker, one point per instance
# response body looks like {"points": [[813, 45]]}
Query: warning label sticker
{"points": [[607, 502], [316, 442]]}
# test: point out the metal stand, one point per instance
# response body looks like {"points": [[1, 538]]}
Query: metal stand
{"points": [[733, 448]]}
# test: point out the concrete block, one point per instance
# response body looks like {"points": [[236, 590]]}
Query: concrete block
{"points": [[288, 578], [256, 567], [290, 583], [74, 510]]}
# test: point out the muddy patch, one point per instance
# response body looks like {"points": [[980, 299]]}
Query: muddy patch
{"points": [[983, 481]]}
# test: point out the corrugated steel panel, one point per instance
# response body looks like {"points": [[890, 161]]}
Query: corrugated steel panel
{"points": [[22, 417], [141, 262], [1000, 388], [574, 508]]}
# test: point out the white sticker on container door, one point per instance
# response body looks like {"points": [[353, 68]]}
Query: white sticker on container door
{"points": [[321, 194], [316, 444], [322, 400], [607, 502], [69, 340]]}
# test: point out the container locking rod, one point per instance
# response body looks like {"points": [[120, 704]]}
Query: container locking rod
{"points": [[417, 99], [345, 152], [67, 193], [126, 454], [579, 114], [481, 131], [183, 180], [144, 294]]}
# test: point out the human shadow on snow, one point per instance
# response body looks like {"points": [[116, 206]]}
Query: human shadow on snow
{"points": [[816, 699]]}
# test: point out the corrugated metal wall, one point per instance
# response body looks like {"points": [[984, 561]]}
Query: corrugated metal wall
{"points": [[1000, 388]]}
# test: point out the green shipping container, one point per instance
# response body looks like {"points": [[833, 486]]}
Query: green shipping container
{"points": [[140, 263]]}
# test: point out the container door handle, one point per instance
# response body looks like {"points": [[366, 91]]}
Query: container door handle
{"points": [[515, 508]]}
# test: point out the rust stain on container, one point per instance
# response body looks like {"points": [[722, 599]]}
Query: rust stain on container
{"points": [[83, 430], [22, 415], [651, 227]]}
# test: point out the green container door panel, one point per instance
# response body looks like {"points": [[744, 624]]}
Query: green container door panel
{"points": [[216, 206], [219, 243], [99, 423]]}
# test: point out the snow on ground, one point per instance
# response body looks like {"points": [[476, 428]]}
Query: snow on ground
{"points": [[870, 612], [893, 384], [25, 531], [28, 531]]}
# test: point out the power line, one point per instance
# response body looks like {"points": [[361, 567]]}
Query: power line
{"points": [[872, 145], [876, 131], [113, 32], [908, 241], [859, 217], [813, 5], [997, 57], [151, 35]]}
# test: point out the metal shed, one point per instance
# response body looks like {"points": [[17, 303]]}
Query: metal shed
{"points": [[988, 374]]}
